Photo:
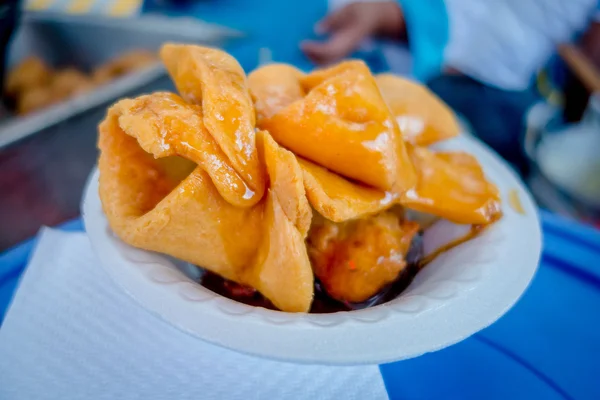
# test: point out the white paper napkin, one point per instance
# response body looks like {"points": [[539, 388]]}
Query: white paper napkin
{"points": [[71, 333]]}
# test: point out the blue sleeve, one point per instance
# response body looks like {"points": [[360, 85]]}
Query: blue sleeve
{"points": [[427, 26]]}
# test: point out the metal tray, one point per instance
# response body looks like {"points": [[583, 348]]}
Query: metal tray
{"points": [[46, 158], [85, 42]]}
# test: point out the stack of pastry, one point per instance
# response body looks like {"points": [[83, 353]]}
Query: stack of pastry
{"points": [[33, 85], [281, 177]]}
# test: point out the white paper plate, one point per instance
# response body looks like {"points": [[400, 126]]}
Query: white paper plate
{"points": [[461, 292]]}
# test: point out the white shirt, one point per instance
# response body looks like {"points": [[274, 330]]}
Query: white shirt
{"points": [[503, 43], [506, 42]]}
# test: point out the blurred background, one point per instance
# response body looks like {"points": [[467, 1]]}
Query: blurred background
{"points": [[523, 76]]}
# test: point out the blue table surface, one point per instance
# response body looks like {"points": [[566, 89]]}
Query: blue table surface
{"points": [[546, 347]]}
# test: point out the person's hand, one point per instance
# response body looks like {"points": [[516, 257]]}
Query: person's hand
{"points": [[350, 25]]}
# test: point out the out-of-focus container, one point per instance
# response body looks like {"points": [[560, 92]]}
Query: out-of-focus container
{"points": [[85, 42], [566, 161]]}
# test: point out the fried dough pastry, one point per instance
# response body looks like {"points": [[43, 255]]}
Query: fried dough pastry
{"points": [[310, 114], [341, 118], [337, 198], [218, 217], [452, 185], [272, 180], [274, 87], [422, 117], [356, 258], [215, 80]]}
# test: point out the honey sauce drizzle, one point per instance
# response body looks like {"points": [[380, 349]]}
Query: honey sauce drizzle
{"points": [[473, 232], [515, 202]]}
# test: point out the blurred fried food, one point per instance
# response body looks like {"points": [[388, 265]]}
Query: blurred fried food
{"points": [[124, 64], [34, 99], [30, 73], [68, 82], [33, 85]]}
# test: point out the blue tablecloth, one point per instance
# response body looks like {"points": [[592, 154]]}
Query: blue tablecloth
{"points": [[546, 347]]}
